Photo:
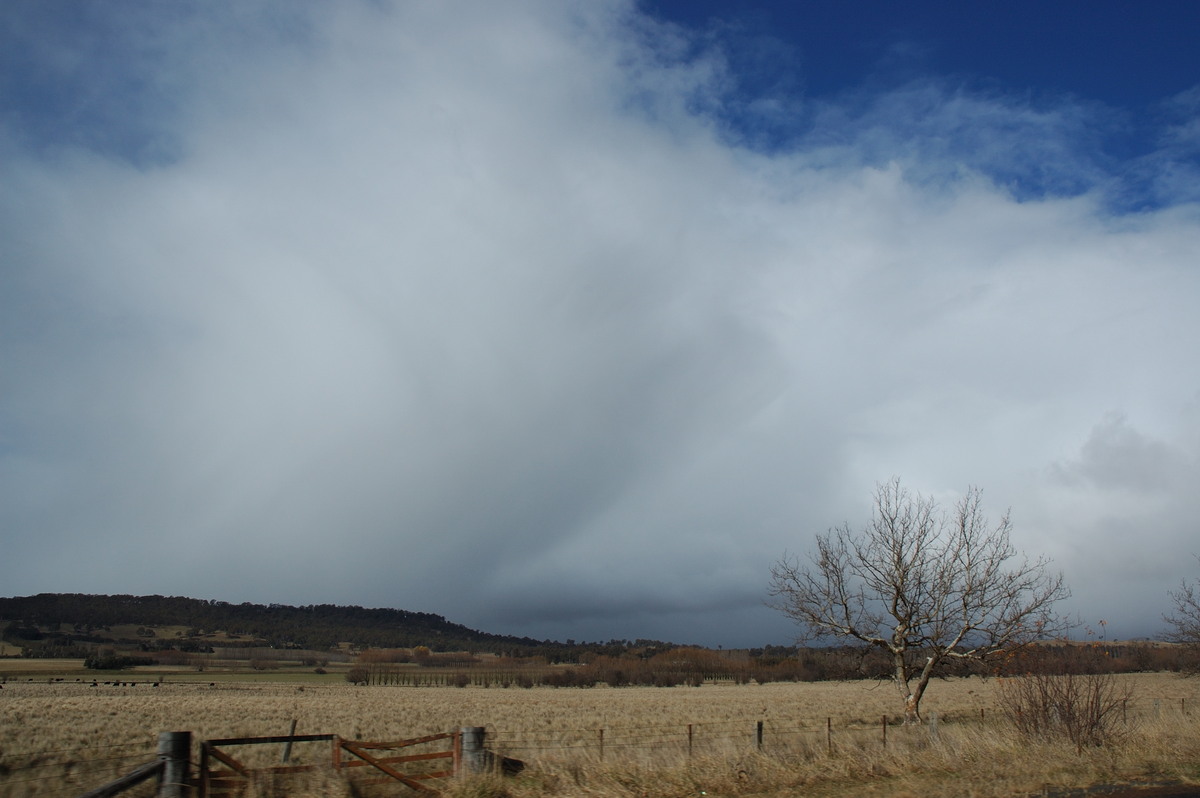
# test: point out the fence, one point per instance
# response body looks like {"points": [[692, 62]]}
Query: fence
{"points": [[215, 780], [464, 751], [220, 773], [170, 768], [687, 740], [771, 735]]}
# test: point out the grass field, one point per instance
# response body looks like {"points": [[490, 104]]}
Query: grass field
{"points": [[64, 737]]}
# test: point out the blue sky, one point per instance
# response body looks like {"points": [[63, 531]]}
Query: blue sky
{"points": [[568, 319], [1121, 54], [1125, 70]]}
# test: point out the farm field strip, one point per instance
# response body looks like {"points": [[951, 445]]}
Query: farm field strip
{"points": [[67, 714], [72, 734]]}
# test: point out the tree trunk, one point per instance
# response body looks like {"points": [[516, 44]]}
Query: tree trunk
{"points": [[912, 703], [912, 699]]}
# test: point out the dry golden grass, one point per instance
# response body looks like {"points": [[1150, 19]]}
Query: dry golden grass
{"points": [[55, 737]]}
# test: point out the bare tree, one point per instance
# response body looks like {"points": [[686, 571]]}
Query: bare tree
{"points": [[927, 588], [1185, 622]]}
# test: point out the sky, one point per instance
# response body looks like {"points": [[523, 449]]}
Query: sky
{"points": [[568, 319]]}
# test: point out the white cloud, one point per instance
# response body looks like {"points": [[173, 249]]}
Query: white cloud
{"points": [[468, 309]]}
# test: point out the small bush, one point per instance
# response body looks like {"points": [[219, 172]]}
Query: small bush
{"points": [[1088, 709]]}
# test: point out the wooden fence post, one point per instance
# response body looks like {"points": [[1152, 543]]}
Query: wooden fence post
{"points": [[287, 747], [175, 752], [601, 745], [204, 775], [829, 734], [474, 759], [689, 741], [759, 734]]}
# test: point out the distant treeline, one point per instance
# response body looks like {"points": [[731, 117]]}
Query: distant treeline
{"points": [[316, 626], [696, 666]]}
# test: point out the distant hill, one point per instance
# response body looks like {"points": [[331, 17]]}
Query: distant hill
{"points": [[316, 626]]}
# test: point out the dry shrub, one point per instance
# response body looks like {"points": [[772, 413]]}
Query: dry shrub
{"points": [[1087, 709]]}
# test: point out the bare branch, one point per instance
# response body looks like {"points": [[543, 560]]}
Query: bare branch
{"points": [[923, 586], [1185, 620]]}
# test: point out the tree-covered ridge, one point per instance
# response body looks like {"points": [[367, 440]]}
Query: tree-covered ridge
{"points": [[315, 626]]}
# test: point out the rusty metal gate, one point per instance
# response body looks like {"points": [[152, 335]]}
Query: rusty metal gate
{"points": [[223, 774]]}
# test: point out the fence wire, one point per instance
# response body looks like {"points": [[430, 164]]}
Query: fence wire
{"points": [[73, 777], [70, 771]]}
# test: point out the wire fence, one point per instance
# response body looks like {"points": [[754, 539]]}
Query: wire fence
{"points": [[797, 734], [73, 771], [49, 774], [678, 740]]}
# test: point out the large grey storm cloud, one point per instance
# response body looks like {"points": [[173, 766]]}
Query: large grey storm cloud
{"points": [[481, 309]]}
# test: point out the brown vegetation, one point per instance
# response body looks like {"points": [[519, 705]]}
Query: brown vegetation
{"points": [[57, 734]]}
